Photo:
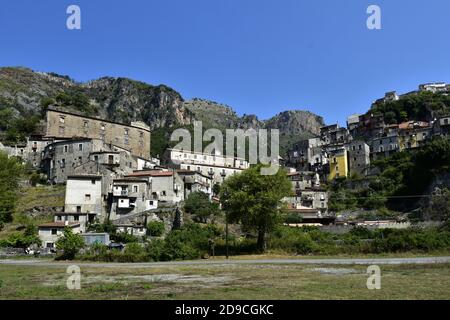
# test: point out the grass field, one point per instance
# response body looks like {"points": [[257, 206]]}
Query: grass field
{"points": [[226, 282]]}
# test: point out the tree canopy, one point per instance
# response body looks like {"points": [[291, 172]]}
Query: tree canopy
{"points": [[10, 172], [199, 205], [255, 201]]}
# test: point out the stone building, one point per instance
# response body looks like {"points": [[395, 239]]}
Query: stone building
{"points": [[358, 157], [50, 232], [129, 196], [442, 126], [384, 146], [307, 193], [85, 156], [413, 134], [195, 181], [134, 137], [164, 186], [308, 155]]}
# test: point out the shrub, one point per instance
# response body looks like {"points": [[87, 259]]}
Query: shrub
{"points": [[124, 237], [22, 240], [70, 244], [155, 228]]}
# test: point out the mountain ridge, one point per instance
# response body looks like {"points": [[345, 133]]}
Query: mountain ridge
{"points": [[26, 93]]}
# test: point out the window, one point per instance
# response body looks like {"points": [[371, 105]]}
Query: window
{"points": [[62, 119], [135, 189], [76, 218], [80, 147], [66, 148], [163, 193], [96, 158], [151, 202], [126, 132], [93, 181], [445, 121], [87, 197], [80, 160], [78, 209], [86, 124], [58, 218], [54, 231], [360, 147], [61, 130], [50, 245]]}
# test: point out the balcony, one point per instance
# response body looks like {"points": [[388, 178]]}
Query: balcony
{"points": [[120, 193]]}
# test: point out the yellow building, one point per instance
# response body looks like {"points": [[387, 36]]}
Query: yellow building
{"points": [[338, 164]]}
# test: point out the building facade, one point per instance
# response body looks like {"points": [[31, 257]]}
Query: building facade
{"points": [[358, 157], [134, 137]]}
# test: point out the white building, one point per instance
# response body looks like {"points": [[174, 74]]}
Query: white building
{"points": [[50, 232], [216, 166], [84, 195], [434, 87], [164, 186]]}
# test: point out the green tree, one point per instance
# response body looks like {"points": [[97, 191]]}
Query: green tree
{"points": [[70, 244], [199, 205], [10, 171], [23, 240], [155, 228], [439, 207], [255, 201]]}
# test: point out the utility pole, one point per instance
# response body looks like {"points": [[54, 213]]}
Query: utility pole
{"points": [[226, 234]]}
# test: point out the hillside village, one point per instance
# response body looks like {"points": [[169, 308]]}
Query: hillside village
{"points": [[110, 175]]}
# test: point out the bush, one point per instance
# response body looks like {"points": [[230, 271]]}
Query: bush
{"points": [[293, 240], [155, 228], [155, 249], [22, 240], [124, 237], [70, 244]]}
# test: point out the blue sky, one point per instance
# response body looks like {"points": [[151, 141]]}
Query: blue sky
{"points": [[258, 56]]}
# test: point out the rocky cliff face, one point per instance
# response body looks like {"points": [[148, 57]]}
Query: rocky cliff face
{"points": [[25, 93]]}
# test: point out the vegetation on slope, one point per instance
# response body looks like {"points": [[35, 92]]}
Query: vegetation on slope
{"points": [[414, 106]]}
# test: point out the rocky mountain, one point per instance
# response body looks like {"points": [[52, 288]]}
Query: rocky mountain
{"points": [[25, 94]]}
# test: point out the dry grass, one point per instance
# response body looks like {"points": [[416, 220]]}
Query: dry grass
{"points": [[227, 282]]}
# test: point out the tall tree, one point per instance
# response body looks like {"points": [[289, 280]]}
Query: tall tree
{"points": [[10, 172], [255, 201], [199, 205]]}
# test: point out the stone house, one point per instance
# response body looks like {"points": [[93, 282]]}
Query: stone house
{"points": [[164, 186], [50, 232], [134, 137], [358, 157], [130, 196]]}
